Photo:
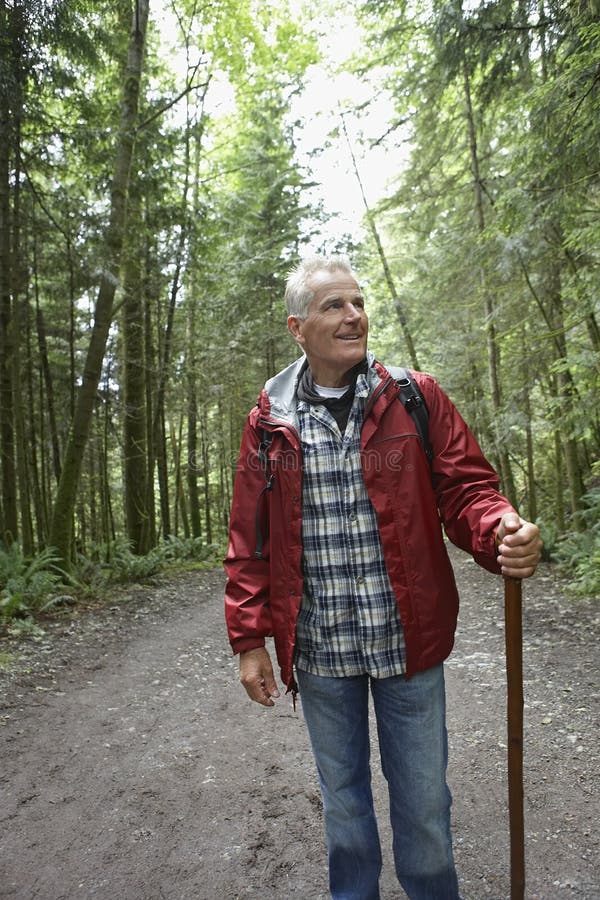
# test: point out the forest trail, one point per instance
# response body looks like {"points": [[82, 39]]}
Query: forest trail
{"points": [[134, 767]]}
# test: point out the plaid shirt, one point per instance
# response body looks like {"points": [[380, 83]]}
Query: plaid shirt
{"points": [[349, 622]]}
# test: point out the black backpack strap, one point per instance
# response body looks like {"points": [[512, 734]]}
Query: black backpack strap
{"points": [[413, 402], [263, 455]]}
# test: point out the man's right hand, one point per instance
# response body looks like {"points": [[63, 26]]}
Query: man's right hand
{"points": [[256, 674]]}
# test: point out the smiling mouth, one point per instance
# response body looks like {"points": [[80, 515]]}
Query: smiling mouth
{"points": [[348, 337]]}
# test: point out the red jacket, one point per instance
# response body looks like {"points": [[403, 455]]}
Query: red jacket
{"points": [[264, 591]]}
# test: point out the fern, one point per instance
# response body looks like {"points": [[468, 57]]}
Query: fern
{"points": [[126, 566], [27, 585], [578, 553]]}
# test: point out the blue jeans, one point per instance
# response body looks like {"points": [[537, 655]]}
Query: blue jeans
{"points": [[411, 726]]}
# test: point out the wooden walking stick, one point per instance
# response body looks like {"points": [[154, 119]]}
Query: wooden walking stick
{"points": [[514, 681]]}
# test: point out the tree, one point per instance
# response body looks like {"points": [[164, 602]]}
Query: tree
{"points": [[10, 101], [496, 101], [64, 505]]}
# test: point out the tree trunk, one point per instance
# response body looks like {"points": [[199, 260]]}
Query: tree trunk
{"points": [[106, 491], [192, 425], [160, 449], [565, 388], [62, 517], [135, 451], [180, 499], [398, 307], [558, 469], [8, 497], [45, 477], [48, 385], [531, 488], [151, 365], [20, 310], [22, 445], [208, 518], [492, 344], [72, 329], [93, 482], [193, 459], [32, 439], [163, 373]]}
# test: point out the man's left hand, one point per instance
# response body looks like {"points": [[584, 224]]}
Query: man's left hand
{"points": [[519, 546]]}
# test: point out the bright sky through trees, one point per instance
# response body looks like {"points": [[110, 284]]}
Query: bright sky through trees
{"points": [[329, 91], [330, 88]]}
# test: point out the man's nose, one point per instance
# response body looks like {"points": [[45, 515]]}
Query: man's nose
{"points": [[351, 311]]}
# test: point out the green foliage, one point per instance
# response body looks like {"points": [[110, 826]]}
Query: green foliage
{"points": [[497, 264], [7, 660], [177, 549], [29, 585], [125, 566], [217, 215], [26, 628], [578, 552], [89, 573], [115, 563]]}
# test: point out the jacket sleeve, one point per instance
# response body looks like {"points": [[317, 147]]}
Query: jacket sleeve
{"points": [[466, 485], [247, 608]]}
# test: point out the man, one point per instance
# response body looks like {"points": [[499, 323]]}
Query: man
{"points": [[336, 551]]}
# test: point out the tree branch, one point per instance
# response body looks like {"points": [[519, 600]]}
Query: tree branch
{"points": [[43, 206], [505, 27], [190, 86]]}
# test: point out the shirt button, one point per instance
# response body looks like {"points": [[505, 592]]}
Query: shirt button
{"points": [[352, 517], [360, 581]]}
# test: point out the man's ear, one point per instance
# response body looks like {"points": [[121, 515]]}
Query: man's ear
{"points": [[294, 324]]}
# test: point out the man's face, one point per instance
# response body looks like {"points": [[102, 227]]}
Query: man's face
{"points": [[334, 333]]}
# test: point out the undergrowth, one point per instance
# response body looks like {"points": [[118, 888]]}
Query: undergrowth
{"points": [[31, 586], [578, 552], [116, 563]]}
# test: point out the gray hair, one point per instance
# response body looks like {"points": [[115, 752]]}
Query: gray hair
{"points": [[298, 295]]}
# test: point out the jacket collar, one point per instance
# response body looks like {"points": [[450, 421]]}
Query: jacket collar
{"points": [[278, 399]]}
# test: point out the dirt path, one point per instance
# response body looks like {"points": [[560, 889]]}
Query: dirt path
{"points": [[134, 768]]}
